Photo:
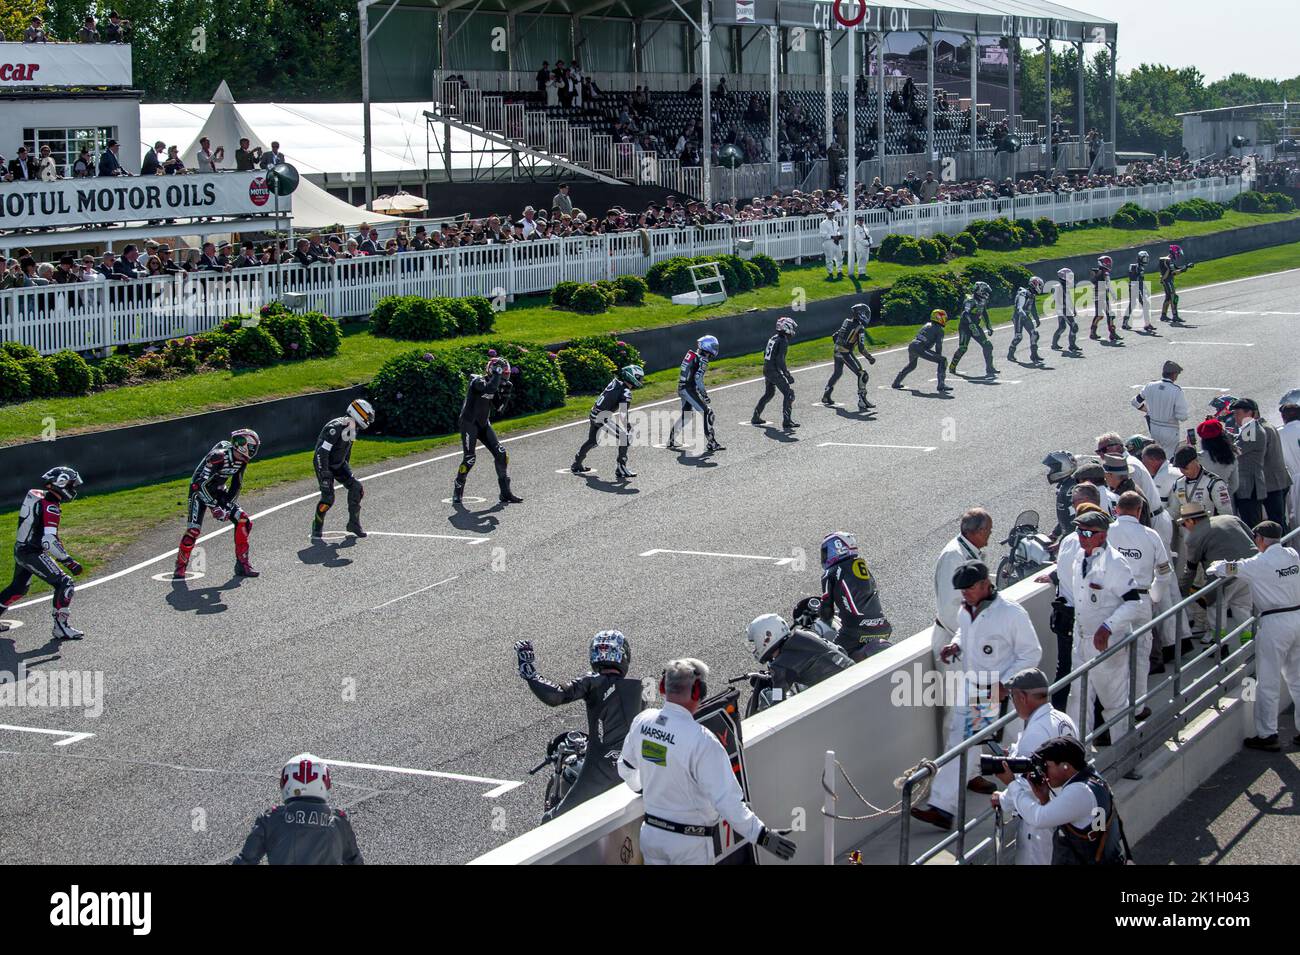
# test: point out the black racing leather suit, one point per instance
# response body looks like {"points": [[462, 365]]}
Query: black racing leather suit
{"points": [[332, 462], [926, 346], [304, 831], [852, 336], [849, 589], [1168, 270], [972, 325], [609, 414], [612, 703], [485, 396], [1101, 302], [776, 377], [38, 550], [695, 397], [215, 486], [804, 660]]}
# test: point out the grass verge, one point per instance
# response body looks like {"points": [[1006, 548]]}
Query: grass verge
{"points": [[529, 320], [98, 527]]}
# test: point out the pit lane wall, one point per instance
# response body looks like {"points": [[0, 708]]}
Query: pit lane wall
{"points": [[869, 715]]}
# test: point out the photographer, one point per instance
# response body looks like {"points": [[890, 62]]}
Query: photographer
{"points": [[1070, 797], [1042, 723]]}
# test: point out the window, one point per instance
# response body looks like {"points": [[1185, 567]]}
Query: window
{"points": [[66, 144]]}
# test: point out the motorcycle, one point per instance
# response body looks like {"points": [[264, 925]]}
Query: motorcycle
{"points": [[565, 754], [763, 694], [1029, 551]]}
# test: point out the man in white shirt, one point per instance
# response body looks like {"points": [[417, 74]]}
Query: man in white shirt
{"points": [[831, 241], [974, 531], [1028, 690], [1149, 561], [995, 640], [1165, 407], [685, 778], [1107, 602], [1062, 619], [1274, 579], [1112, 443], [1157, 464], [861, 248], [1289, 408]]}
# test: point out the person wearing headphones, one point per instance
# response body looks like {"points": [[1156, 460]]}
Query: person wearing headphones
{"points": [[1065, 313], [927, 346], [685, 779], [850, 336]]}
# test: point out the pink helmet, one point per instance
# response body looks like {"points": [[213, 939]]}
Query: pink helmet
{"points": [[1176, 250]]}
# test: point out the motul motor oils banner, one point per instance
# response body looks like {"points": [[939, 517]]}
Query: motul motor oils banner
{"points": [[65, 64], [27, 205]]}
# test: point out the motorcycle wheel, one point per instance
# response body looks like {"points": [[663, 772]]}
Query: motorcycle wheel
{"points": [[1006, 574]]}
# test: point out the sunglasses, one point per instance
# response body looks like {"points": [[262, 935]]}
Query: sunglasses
{"points": [[1089, 535]]}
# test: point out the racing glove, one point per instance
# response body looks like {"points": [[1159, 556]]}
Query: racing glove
{"points": [[775, 842], [219, 512], [74, 567], [527, 659]]}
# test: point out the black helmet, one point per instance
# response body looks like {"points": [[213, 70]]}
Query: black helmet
{"points": [[806, 611], [63, 480], [862, 312]]}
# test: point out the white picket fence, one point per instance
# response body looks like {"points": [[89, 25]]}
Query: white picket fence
{"points": [[95, 316]]}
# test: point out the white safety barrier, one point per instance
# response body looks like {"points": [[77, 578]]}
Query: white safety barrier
{"points": [[91, 316], [876, 716]]}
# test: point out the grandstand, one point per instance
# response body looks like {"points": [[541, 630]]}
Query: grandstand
{"points": [[770, 79]]}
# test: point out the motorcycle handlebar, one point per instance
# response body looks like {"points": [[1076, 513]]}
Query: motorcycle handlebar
{"points": [[542, 765]]}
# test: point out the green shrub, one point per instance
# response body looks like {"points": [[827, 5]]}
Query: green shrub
{"points": [[755, 274], [1249, 201], [1196, 210], [326, 334], [585, 370], [613, 293], [634, 289], [218, 358], [932, 251], [487, 316], [418, 393], [422, 319], [1047, 229], [180, 353], [589, 300], [18, 351], [15, 383], [963, 243], [999, 235], [1016, 276], [72, 372], [206, 344], [1132, 216], [769, 267], [562, 294], [617, 351], [96, 378], [979, 272], [291, 332], [1276, 202], [463, 313], [381, 317], [888, 250], [254, 346], [909, 251], [44, 382], [662, 277], [911, 299], [1165, 217], [1030, 235], [152, 365], [944, 240], [116, 368]]}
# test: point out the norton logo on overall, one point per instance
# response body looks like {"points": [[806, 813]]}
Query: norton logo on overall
{"points": [[75, 908]]}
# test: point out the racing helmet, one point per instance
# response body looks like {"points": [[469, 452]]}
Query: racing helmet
{"points": [[496, 363], [1291, 398], [1065, 275], [765, 636], [362, 412], [305, 775], [939, 317], [1143, 256], [981, 290], [1175, 252], [64, 480], [1060, 465], [1105, 261], [632, 375], [861, 312], [787, 326], [708, 345], [1222, 403], [838, 546], [807, 611], [611, 648], [1135, 444], [1036, 285], [245, 443]]}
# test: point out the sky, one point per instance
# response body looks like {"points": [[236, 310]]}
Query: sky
{"points": [[1256, 37]]}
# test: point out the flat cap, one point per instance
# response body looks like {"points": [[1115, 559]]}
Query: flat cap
{"points": [[1091, 519], [1244, 404], [1030, 679], [1269, 530], [969, 574]]}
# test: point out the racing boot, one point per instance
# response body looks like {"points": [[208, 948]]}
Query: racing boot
{"points": [[863, 404], [318, 527], [827, 400], [714, 445], [243, 568], [623, 473], [756, 419], [62, 630], [789, 424], [577, 467], [1011, 353], [1034, 357], [458, 492], [354, 526], [508, 496], [952, 365]]}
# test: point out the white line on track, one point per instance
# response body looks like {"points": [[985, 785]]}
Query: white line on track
{"points": [[1184, 341], [779, 561], [71, 737], [81, 587], [501, 786], [414, 592], [1191, 388], [331, 535], [898, 447]]}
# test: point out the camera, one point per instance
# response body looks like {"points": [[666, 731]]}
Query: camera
{"points": [[1026, 766]]}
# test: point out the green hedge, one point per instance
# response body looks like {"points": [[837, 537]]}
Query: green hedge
{"points": [[672, 277], [1263, 202], [911, 299], [15, 383], [611, 346], [585, 370], [416, 318], [255, 346], [1048, 230], [1132, 216]]}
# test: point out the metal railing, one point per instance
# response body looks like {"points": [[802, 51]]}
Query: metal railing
{"points": [[91, 316], [1194, 685]]}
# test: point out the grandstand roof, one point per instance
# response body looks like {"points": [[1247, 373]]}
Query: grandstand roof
{"points": [[1027, 18]]}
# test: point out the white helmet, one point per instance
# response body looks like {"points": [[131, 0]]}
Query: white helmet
{"points": [[305, 775], [362, 412], [765, 635], [785, 325], [1065, 275], [1143, 256], [1105, 261], [1060, 465]]}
